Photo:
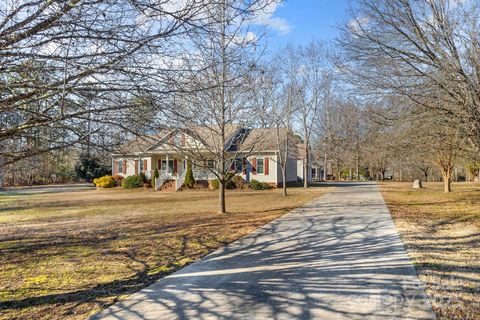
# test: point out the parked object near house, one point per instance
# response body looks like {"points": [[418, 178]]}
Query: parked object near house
{"points": [[251, 153]]}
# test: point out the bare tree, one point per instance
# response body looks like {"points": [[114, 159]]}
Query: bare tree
{"points": [[426, 51], [283, 115], [66, 63], [223, 62], [309, 74]]}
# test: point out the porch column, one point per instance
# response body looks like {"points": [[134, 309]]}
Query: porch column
{"points": [[167, 165]]}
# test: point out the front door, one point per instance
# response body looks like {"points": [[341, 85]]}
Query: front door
{"points": [[167, 167]]}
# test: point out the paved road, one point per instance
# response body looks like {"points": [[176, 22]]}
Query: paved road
{"points": [[338, 257], [51, 188]]}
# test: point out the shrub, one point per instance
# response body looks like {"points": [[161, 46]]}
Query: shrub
{"points": [[90, 167], [189, 179], [104, 182], [257, 185], [229, 184], [132, 182], [143, 177], [118, 180], [156, 175], [214, 184], [239, 182]]}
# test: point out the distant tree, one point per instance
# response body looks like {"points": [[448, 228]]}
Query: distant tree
{"points": [[90, 167], [308, 72]]}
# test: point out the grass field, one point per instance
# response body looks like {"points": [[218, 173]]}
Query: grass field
{"points": [[442, 235], [68, 255]]}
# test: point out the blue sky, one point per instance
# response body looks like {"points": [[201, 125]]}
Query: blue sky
{"points": [[299, 21]]}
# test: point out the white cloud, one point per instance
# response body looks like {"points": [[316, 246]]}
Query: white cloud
{"points": [[359, 24], [266, 17]]}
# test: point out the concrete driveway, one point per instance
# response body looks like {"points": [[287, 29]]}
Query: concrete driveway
{"points": [[338, 257]]}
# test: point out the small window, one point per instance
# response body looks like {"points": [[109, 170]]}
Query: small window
{"points": [[238, 165], [176, 139], [142, 166], [260, 166], [120, 166], [210, 164]]}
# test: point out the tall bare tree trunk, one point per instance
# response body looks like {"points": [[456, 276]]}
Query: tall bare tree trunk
{"points": [[325, 167], [1, 172], [447, 180], [284, 177], [221, 197], [305, 168]]}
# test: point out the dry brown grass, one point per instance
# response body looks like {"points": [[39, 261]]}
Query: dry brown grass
{"points": [[68, 255], [442, 235]]}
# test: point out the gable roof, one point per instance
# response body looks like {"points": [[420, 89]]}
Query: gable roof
{"points": [[140, 144], [238, 139]]}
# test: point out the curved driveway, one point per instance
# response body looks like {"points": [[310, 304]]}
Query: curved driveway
{"points": [[338, 257]]}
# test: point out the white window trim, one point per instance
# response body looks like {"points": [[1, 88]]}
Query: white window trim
{"points": [[213, 164], [263, 166], [119, 166]]}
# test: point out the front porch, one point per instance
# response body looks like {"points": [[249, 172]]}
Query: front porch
{"points": [[174, 168]]}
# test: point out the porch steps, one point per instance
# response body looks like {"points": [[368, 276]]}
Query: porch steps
{"points": [[168, 186]]}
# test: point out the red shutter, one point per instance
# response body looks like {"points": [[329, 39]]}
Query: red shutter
{"points": [[144, 165], [254, 165], [136, 166], [244, 166], [182, 139], [124, 166], [232, 165], [115, 167], [265, 164], [159, 164], [175, 166]]}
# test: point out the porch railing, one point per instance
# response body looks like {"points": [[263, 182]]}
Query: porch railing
{"points": [[163, 176], [180, 180]]}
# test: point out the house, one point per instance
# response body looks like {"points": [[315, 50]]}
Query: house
{"points": [[251, 153]]}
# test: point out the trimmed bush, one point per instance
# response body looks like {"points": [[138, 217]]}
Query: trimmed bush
{"points": [[104, 182], [214, 184], [132, 182], [189, 179], [257, 185], [156, 175], [143, 177], [239, 182], [118, 180]]}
